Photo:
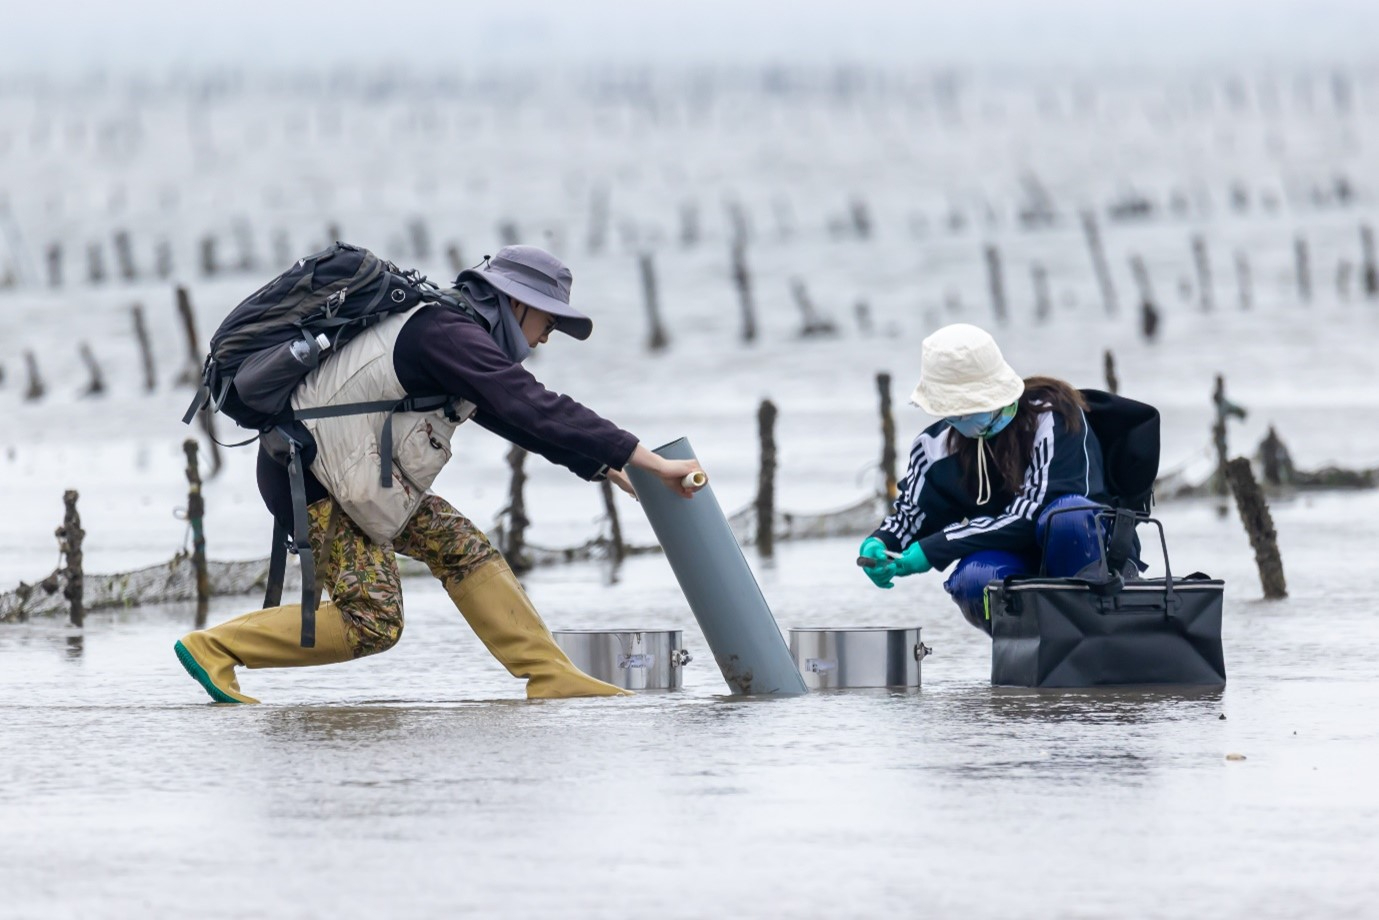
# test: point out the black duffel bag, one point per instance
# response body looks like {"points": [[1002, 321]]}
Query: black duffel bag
{"points": [[1102, 630]]}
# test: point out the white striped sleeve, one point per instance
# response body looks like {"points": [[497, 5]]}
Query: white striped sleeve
{"points": [[907, 517], [1026, 504]]}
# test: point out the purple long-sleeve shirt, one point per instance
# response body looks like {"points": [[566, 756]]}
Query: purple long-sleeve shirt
{"points": [[443, 352]]}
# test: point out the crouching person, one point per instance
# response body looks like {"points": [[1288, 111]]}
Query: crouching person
{"points": [[474, 356], [1011, 473]]}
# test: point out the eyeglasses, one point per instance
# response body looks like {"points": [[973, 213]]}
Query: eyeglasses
{"points": [[551, 320]]}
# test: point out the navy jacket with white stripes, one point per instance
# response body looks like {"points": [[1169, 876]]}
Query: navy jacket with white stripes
{"points": [[935, 507]]}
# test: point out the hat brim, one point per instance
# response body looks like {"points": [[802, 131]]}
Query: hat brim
{"points": [[567, 319], [949, 401]]}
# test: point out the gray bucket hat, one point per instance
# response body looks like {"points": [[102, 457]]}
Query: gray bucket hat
{"points": [[536, 278]]}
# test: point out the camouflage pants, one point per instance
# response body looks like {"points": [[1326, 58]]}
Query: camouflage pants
{"points": [[361, 577]]}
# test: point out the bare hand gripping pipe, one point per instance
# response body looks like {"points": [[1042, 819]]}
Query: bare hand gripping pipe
{"points": [[720, 588]]}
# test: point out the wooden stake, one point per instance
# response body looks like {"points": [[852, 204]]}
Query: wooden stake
{"points": [[657, 340], [1370, 272], [618, 550], [162, 260], [455, 258], [1109, 364], [36, 389], [598, 219], [862, 312], [1149, 314], [1259, 524], [1225, 409], [208, 263], [814, 324], [1203, 263], [1304, 273], [124, 256], [861, 218], [888, 458], [742, 278], [244, 242], [69, 537], [1043, 303], [420, 237], [1098, 253], [515, 534], [54, 265], [196, 512], [95, 263], [145, 351], [191, 375], [96, 385], [766, 480], [1275, 459], [996, 283]]}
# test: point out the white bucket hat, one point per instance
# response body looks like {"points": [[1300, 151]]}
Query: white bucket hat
{"points": [[962, 371]]}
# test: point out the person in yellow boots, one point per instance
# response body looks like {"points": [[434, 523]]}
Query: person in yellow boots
{"points": [[367, 480]]}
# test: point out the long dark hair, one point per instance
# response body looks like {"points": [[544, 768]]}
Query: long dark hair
{"points": [[1011, 449]]}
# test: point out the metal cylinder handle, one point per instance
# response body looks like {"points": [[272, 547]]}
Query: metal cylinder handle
{"points": [[679, 658]]}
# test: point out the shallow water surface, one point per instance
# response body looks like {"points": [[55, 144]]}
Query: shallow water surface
{"points": [[418, 783]]}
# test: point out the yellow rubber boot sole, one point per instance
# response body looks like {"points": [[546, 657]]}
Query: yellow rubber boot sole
{"points": [[269, 638], [211, 663]]}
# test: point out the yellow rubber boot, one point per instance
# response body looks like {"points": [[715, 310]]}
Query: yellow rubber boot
{"points": [[502, 617], [268, 638]]}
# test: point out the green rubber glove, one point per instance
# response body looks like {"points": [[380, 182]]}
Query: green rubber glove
{"points": [[883, 569], [912, 561]]}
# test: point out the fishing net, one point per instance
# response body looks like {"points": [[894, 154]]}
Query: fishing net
{"points": [[175, 580]]}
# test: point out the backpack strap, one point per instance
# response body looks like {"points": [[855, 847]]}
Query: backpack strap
{"points": [[298, 542], [1120, 547], [301, 540], [391, 407], [301, 525], [204, 397], [277, 567]]}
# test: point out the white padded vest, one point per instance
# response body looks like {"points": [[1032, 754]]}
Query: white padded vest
{"points": [[348, 448]]}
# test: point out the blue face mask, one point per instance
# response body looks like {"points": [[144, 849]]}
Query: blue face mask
{"points": [[983, 424]]}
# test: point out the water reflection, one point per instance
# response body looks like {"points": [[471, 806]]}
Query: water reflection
{"points": [[1114, 705], [333, 724]]}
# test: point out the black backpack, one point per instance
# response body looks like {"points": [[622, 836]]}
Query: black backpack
{"points": [[266, 347], [275, 337], [1129, 434]]}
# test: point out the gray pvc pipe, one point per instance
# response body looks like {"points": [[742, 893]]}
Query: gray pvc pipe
{"points": [[720, 588]]}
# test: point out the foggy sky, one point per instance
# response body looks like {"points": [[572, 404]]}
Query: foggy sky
{"points": [[62, 36]]}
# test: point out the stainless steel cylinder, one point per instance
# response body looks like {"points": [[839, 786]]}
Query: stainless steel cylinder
{"points": [[633, 660], [876, 656]]}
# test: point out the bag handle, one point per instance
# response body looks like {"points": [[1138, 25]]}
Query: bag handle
{"points": [[1143, 518], [1124, 521]]}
